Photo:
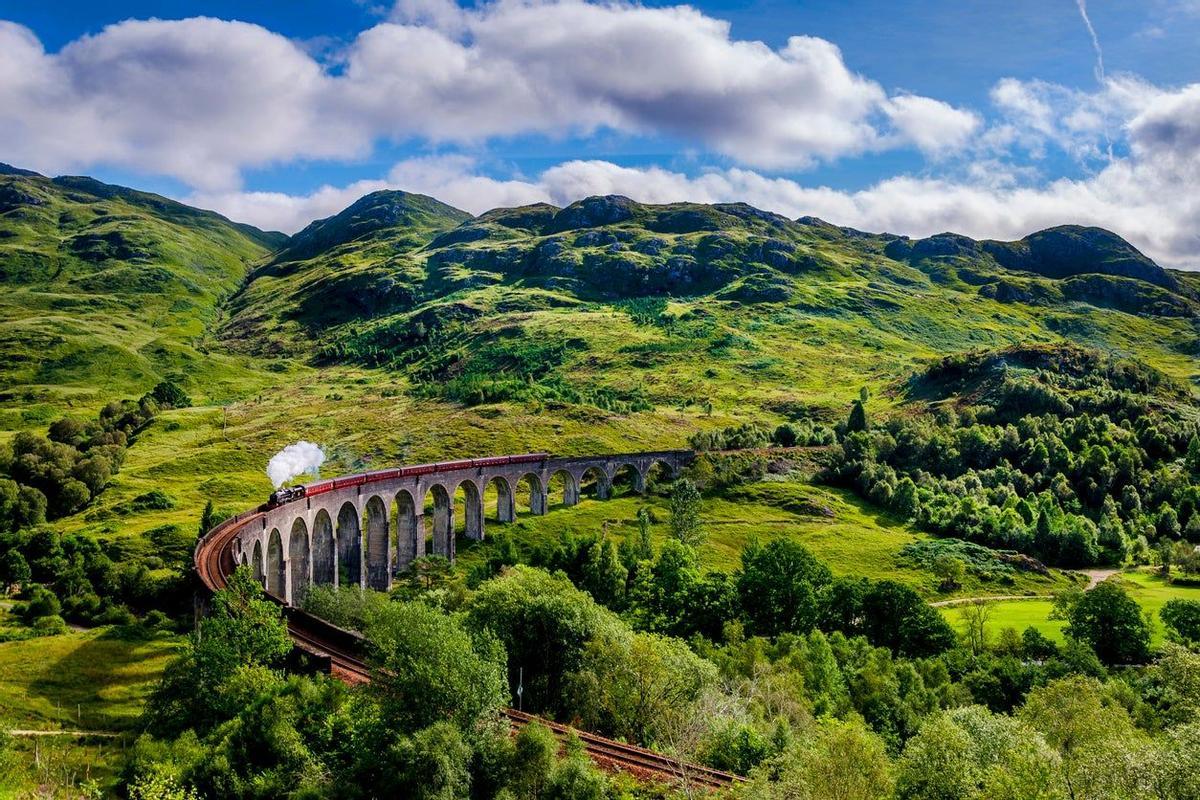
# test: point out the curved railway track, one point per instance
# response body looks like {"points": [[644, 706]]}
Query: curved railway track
{"points": [[214, 562]]}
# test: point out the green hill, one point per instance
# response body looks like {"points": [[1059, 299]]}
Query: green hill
{"points": [[622, 306], [404, 329], [107, 290]]}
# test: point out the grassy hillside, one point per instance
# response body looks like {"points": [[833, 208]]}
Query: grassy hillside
{"points": [[107, 290], [403, 329], [627, 308]]}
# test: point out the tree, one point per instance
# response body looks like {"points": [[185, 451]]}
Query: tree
{"points": [[685, 513], [1182, 618], [434, 764], [1192, 459], [1111, 622], [535, 751], [544, 623], [427, 667], [970, 752], [93, 472], [629, 685], [785, 435], [895, 616], [72, 496], [975, 616], [950, 571], [208, 520], [14, 569], [838, 761], [858, 418], [238, 644], [1166, 522], [1074, 719], [603, 575], [779, 587], [169, 395]]}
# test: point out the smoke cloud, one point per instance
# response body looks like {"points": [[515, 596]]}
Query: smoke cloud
{"points": [[295, 459]]}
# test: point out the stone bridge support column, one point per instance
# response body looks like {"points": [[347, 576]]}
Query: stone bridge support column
{"points": [[419, 535], [336, 551], [506, 507]]}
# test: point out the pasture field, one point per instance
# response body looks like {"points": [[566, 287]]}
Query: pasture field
{"points": [[89, 681]]}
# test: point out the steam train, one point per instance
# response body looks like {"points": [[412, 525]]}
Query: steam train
{"points": [[291, 493]]}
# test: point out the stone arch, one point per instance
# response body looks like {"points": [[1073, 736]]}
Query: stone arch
{"points": [[443, 521], [244, 561], [276, 580], [658, 474], [627, 479], [472, 509], [409, 538], [349, 546], [298, 561], [259, 574], [375, 537], [594, 483], [324, 558], [537, 493], [563, 488], [506, 509]]}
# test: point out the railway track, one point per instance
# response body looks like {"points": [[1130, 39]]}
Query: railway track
{"points": [[214, 562]]}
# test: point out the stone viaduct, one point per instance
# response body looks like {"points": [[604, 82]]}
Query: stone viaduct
{"points": [[365, 534]]}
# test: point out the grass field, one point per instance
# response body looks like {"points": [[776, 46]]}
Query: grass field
{"points": [[841, 530], [91, 681], [1149, 589]]}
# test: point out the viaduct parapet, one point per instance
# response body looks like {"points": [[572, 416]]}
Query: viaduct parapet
{"points": [[362, 530]]}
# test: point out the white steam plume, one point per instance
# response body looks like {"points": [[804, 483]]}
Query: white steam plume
{"points": [[293, 460]]}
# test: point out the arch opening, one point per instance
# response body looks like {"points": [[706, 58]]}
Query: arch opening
{"points": [[349, 546], [562, 490], [594, 484], [468, 506], [324, 557], [298, 561], [259, 574], [498, 501], [375, 540], [626, 480], [659, 476], [275, 565], [530, 495]]}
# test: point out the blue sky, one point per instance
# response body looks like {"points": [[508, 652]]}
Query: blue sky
{"points": [[988, 117]]}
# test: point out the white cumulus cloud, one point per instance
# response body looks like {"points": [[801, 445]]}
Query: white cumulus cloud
{"points": [[202, 99]]}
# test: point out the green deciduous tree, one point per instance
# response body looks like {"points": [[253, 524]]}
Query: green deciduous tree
{"points": [[685, 513], [544, 623], [837, 761], [1111, 622], [1182, 618], [779, 587], [428, 668], [240, 641]]}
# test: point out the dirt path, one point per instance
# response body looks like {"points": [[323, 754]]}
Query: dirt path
{"points": [[1095, 576], [995, 598]]}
